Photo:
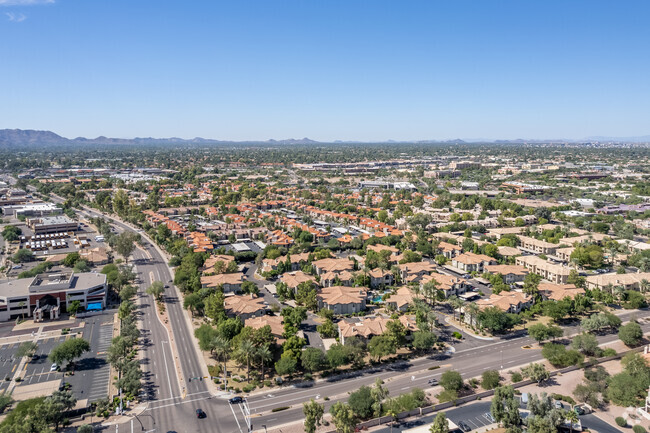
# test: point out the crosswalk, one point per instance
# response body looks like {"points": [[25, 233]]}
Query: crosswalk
{"points": [[101, 378]]}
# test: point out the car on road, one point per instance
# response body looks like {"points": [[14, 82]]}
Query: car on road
{"points": [[433, 382], [489, 417], [467, 276], [200, 414], [236, 400], [54, 367], [464, 427], [166, 286]]}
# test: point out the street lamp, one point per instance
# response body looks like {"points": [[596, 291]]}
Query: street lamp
{"points": [[264, 428]]}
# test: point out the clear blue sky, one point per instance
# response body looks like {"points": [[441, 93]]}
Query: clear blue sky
{"points": [[328, 69]]}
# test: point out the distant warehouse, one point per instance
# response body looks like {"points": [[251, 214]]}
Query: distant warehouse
{"points": [[53, 224], [45, 296]]}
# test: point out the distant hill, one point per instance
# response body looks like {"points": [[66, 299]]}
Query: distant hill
{"points": [[18, 137], [28, 138]]}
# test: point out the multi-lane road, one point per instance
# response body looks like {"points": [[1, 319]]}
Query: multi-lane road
{"points": [[171, 400]]}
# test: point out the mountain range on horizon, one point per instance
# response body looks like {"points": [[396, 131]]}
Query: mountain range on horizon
{"points": [[29, 138]]}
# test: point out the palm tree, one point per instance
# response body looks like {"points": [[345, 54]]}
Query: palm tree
{"points": [[264, 355], [222, 350], [644, 285], [245, 352], [472, 310], [455, 303], [572, 417]]}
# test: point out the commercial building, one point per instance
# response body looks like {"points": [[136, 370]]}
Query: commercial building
{"points": [[54, 224], [31, 210], [44, 296]]}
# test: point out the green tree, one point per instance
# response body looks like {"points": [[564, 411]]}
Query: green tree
{"points": [[490, 379], [424, 340], [124, 244], [327, 329], [156, 289], [313, 415], [361, 402], [71, 259], [451, 380], [69, 350], [631, 334], [585, 343], [381, 346], [337, 355], [531, 284], [56, 405], [127, 293], [312, 359], [23, 256], [285, 366], [85, 428], [214, 306], [536, 372], [11, 233], [343, 417]]}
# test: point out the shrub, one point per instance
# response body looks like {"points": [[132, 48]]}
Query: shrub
{"points": [[516, 377], [249, 387], [566, 398], [490, 379], [609, 352], [445, 396], [620, 421], [279, 409], [638, 429], [434, 367], [457, 335]]}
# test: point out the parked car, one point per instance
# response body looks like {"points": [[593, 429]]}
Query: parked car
{"points": [[464, 427], [54, 367], [558, 404], [489, 417], [235, 400]]}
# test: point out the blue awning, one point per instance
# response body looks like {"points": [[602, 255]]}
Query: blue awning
{"points": [[95, 306]]}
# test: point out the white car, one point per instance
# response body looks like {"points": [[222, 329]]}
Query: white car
{"points": [[54, 367]]}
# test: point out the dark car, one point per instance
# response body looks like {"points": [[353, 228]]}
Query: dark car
{"points": [[200, 413], [464, 427], [236, 400]]}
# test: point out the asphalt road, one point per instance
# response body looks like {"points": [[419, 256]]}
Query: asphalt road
{"points": [[170, 408], [499, 355]]}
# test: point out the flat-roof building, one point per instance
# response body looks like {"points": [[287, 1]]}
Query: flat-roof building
{"points": [[53, 224], [49, 294]]}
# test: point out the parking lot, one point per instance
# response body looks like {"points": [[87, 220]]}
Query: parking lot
{"points": [[91, 372], [36, 370]]}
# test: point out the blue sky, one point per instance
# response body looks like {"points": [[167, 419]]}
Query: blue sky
{"points": [[330, 69]]}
